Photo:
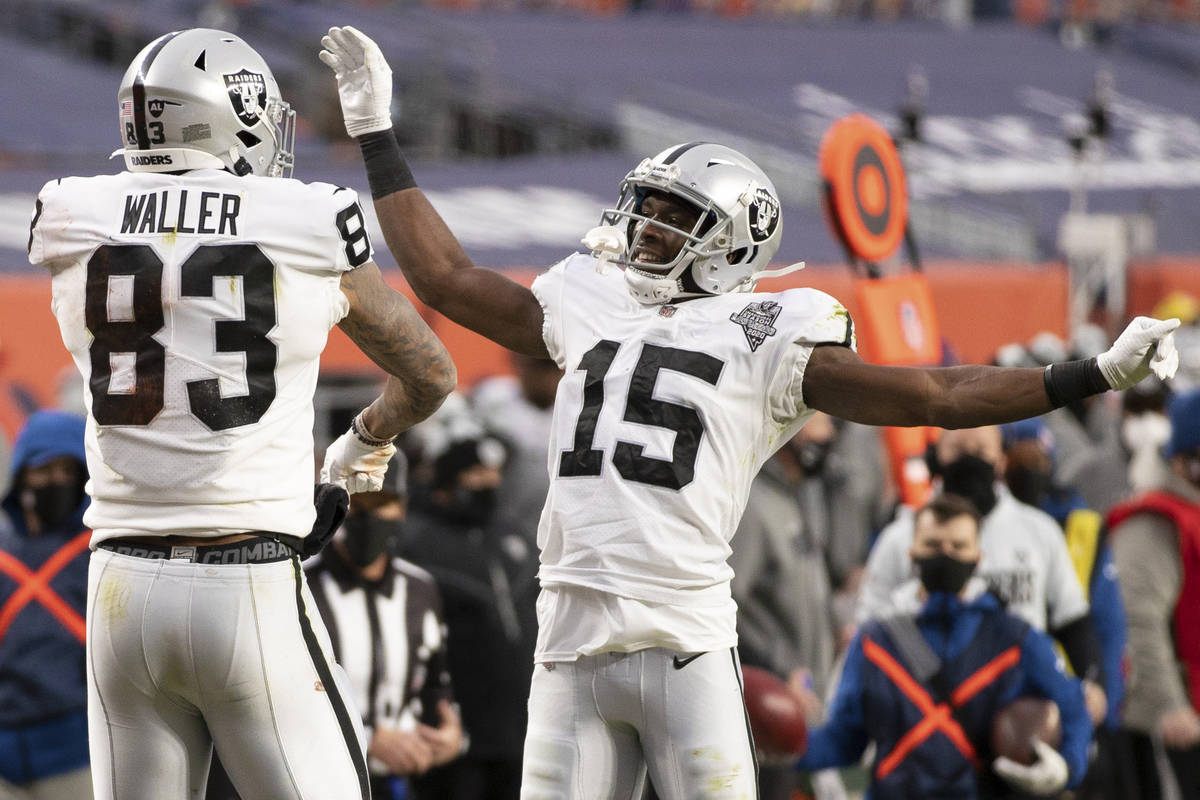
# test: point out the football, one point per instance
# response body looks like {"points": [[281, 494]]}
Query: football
{"points": [[1015, 726], [776, 716]]}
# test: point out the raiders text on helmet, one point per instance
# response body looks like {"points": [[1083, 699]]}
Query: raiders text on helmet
{"points": [[203, 98], [729, 248]]}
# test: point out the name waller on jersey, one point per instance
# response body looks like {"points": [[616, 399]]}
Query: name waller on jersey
{"points": [[213, 212]]}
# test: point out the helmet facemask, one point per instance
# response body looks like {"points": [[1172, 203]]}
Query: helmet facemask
{"points": [[736, 232]]}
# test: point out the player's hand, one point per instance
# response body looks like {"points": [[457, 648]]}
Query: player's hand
{"points": [[364, 79], [354, 465], [1179, 728], [1146, 345], [801, 685], [445, 741], [1095, 700], [404, 752], [1044, 777]]}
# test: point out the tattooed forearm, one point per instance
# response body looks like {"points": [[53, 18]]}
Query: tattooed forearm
{"points": [[389, 330]]}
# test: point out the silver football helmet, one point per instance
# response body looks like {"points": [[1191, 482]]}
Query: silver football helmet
{"points": [[727, 250], [203, 98]]}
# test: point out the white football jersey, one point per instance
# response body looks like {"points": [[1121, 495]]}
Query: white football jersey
{"points": [[663, 418], [196, 308]]}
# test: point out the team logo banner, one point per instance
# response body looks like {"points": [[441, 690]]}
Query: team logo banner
{"points": [[757, 321], [248, 93]]}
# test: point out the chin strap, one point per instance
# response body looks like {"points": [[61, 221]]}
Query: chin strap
{"points": [[755, 277]]}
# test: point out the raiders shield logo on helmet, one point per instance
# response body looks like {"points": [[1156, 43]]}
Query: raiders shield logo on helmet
{"points": [[764, 215], [248, 93]]}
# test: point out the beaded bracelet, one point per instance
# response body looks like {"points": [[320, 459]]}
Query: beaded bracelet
{"points": [[360, 430]]}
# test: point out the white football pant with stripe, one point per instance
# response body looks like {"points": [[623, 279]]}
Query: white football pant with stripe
{"points": [[183, 656]]}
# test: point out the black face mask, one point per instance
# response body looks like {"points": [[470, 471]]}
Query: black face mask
{"points": [[472, 506], [1027, 485], [56, 503], [811, 456], [943, 573], [973, 478], [368, 536]]}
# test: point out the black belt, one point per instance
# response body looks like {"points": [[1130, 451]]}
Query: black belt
{"points": [[262, 548]]}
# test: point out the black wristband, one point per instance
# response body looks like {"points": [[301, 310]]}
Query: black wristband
{"points": [[1068, 381], [387, 171]]}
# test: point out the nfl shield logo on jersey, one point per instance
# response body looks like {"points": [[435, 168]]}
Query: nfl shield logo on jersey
{"points": [[757, 321], [248, 93]]}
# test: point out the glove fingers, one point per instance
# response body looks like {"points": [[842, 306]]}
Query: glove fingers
{"points": [[347, 41], [330, 60], [334, 43], [360, 39], [1165, 361], [1007, 768], [346, 48]]}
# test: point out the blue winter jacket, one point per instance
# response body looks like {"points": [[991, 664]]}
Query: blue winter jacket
{"points": [[948, 625], [43, 690]]}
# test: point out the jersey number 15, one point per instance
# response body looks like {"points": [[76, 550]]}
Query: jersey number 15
{"points": [[641, 407]]}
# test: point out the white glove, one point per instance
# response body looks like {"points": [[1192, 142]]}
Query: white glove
{"points": [[364, 80], [1044, 777], [355, 465], [1146, 345], [606, 243]]}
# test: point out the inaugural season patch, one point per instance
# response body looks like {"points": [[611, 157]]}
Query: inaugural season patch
{"points": [[757, 321], [248, 93]]}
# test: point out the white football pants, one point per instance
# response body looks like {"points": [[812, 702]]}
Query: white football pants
{"points": [[596, 725], [183, 656]]}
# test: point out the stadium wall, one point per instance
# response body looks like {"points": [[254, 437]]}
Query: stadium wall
{"points": [[980, 307]]}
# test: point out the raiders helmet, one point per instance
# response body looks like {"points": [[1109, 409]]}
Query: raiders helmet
{"points": [[203, 98], [735, 237]]}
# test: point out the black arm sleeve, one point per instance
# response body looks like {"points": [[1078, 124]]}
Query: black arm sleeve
{"points": [[1079, 641]]}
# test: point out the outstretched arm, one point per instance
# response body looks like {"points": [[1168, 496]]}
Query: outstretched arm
{"points": [[444, 278], [840, 383], [432, 260]]}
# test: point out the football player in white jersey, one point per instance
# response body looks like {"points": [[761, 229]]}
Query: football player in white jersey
{"points": [[195, 292], [680, 382]]}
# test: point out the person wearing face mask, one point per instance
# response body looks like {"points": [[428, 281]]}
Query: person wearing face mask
{"points": [[43, 593], [948, 641], [487, 574], [1026, 562], [1029, 455], [781, 583], [1156, 547], [385, 620]]}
